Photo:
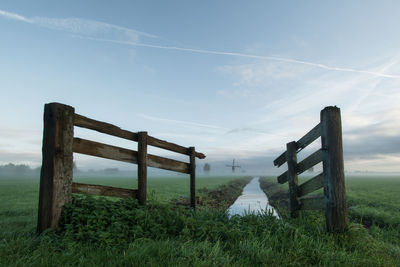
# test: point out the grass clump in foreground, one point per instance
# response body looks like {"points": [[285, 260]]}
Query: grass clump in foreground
{"points": [[98, 231]]}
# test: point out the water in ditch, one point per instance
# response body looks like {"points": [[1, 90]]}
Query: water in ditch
{"points": [[252, 200]]}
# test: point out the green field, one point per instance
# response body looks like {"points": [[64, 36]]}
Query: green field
{"points": [[119, 232], [19, 196]]}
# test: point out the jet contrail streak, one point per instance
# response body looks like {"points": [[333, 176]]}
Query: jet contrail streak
{"points": [[76, 25], [288, 60]]}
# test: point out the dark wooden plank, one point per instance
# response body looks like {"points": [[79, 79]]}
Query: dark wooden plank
{"points": [[167, 164], [104, 151], [311, 185], [192, 177], [56, 172], [334, 184], [171, 146], [307, 139], [312, 203], [121, 154], [142, 167], [304, 165], [291, 159], [283, 178], [102, 190], [310, 161], [103, 127], [280, 160]]}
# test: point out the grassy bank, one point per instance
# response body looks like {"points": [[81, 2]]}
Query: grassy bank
{"points": [[109, 232], [373, 202]]}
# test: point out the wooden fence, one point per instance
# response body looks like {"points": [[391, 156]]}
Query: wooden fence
{"points": [[59, 143], [331, 179]]}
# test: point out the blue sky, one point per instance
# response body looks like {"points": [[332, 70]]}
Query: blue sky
{"points": [[236, 79]]}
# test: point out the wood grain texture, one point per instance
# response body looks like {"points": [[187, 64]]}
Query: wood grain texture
{"points": [[192, 177], [171, 147], [311, 185], [56, 172], [291, 159], [103, 127], [142, 167], [167, 164], [102, 190], [334, 183], [101, 150], [312, 203]]}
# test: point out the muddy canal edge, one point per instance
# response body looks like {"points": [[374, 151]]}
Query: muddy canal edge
{"points": [[277, 195]]}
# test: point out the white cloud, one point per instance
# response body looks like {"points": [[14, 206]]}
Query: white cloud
{"points": [[291, 99]]}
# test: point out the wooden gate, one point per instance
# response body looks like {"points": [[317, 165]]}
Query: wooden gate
{"points": [[331, 179], [59, 143]]}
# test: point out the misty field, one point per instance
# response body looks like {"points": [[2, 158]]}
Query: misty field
{"points": [[101, 231]]}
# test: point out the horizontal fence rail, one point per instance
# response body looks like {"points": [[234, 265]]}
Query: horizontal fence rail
{"points": [[107, 128], [304, 165], [103, 127], [101, 150], [315, 183], [59, 144], [333, 201], [102, 190], [310, 137]]}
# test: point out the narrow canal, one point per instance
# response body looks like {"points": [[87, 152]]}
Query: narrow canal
{"points": [[252, 200]]}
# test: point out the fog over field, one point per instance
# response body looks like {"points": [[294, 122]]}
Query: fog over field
{"points": [[238, 83]]}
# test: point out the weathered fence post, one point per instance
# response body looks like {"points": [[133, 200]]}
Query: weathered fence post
{"points": [[142, 167], [291, 158], [192, 152], [56, 173], [334, 184]]}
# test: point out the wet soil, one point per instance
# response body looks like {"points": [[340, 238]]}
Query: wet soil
{"points": [[278, 197]]}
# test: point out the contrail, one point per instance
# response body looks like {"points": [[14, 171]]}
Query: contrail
{"points": [[84, 26], [184, 122], [14, 16], [288, 60], [77, 25]]}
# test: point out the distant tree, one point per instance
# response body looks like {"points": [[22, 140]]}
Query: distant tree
{"points": [[22, 169], [206, 168], [13, 169]]}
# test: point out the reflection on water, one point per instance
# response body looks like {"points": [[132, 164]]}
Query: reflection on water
{"points": [[252, 200]]}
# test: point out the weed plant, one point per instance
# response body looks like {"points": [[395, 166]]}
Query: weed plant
{"points": [[104, 232]]}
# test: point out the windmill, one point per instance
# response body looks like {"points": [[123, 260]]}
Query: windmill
{"points": [[233, 166]]}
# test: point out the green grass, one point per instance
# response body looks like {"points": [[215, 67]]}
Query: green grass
{"points": [[373, 202], [19, 196], [159, 188], [101, 232]]}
